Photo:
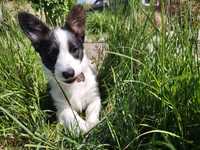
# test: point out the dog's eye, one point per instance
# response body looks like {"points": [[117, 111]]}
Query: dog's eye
{"points": [[53, 53], [74, 49], [54, 48]]}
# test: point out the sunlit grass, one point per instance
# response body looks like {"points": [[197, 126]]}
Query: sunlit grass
{"points": [[150, 97]]}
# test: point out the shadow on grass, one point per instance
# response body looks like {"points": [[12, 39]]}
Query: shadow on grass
{"points": [[47, 105]]}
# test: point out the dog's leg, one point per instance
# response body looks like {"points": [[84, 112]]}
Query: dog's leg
{"points": [[92, 112], [72, 120]]}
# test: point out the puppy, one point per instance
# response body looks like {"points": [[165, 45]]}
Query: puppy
{"points": [[67, 66]]}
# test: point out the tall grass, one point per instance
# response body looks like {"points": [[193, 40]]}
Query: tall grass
{"points": [[150, 97]]}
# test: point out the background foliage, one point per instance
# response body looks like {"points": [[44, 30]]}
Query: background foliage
{"points": [[54, 10], [149, 81]]}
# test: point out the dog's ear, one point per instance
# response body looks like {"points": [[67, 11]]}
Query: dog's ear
{"points": [[35, 29], [75, 21]]}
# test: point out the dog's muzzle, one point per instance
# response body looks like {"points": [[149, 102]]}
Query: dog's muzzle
{"points": [[78, 78]]}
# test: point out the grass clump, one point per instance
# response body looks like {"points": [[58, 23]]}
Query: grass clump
{"points": [[150, 96]]}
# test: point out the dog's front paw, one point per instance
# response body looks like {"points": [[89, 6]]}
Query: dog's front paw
{"points": [[73, 121], [76, 128], [91, 124]]}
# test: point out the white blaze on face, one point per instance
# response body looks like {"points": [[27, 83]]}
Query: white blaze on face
{"points": [[86, 1], [65, 60]]}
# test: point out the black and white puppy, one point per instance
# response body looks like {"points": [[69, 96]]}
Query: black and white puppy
{"points": [[63, 57]]}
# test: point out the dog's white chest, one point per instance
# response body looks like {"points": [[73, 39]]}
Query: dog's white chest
{"points": [[79, 94]]}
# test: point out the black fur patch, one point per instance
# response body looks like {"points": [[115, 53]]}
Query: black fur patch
{"points": [[41, 38], [48, 50], [76, 49]]}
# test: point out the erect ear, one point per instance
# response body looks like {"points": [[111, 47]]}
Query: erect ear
{"points": [[35, 29], [76, 21]]}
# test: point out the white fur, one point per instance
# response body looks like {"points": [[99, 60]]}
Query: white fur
{"points": [[148, 4], [81, 95], [145, 3]]}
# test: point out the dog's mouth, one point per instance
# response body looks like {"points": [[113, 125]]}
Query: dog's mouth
{"points": [[78, 78]]}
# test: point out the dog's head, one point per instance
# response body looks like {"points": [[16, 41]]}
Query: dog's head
{"points": [[60, 49]]}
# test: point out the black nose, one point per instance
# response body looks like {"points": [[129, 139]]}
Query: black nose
{"points": [[68, 74]]}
